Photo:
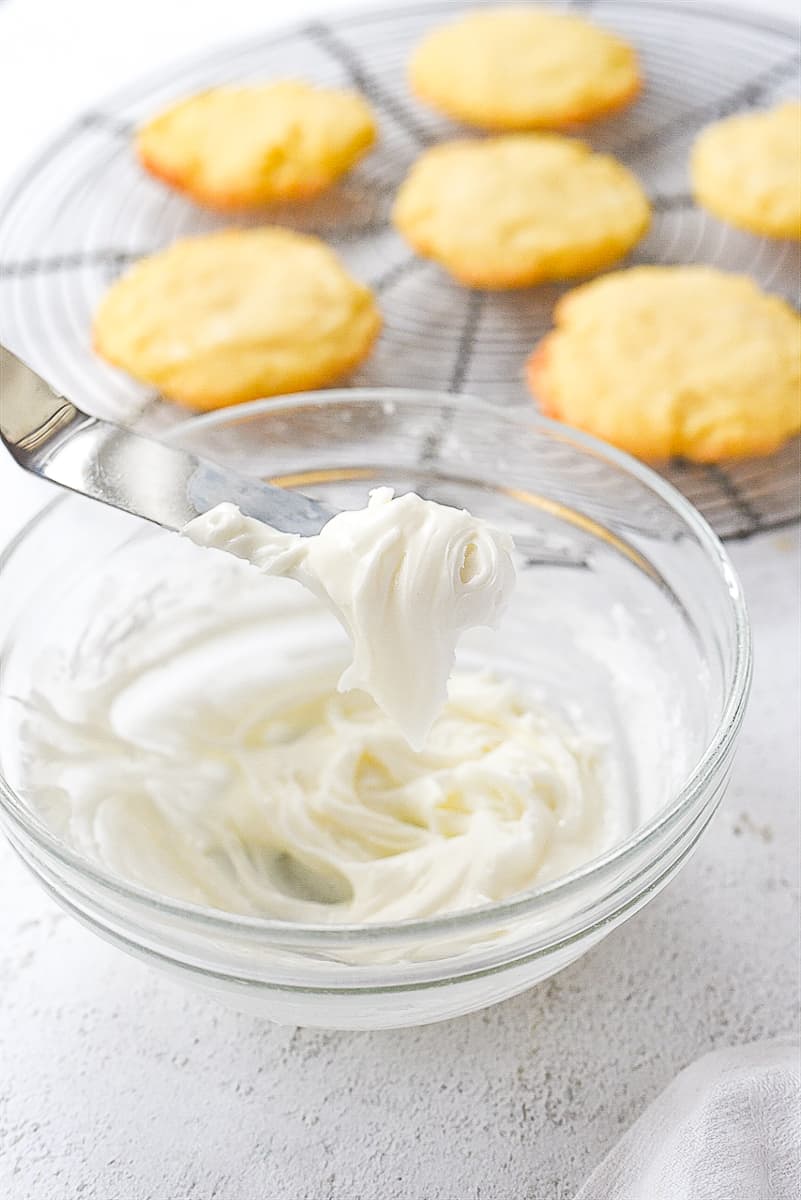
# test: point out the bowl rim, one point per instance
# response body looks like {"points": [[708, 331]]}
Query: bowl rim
{"points": [[523, 903]]}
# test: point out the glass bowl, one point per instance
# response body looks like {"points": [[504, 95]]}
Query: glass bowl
{"points": [[626, 605]]}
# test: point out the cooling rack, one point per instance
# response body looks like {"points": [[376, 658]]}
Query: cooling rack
{"points": [[83, 210]]}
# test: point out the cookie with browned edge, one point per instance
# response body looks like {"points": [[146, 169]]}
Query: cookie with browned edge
{"points": [[244, 147], [515, 210], [232, 316], [524, 68], [674, 361]]}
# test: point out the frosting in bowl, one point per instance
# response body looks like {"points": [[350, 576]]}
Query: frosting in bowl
{"points": [[190, 735], [185, 765]]}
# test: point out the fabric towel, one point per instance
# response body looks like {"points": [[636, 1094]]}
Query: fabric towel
{"points": [[727, 1128]]}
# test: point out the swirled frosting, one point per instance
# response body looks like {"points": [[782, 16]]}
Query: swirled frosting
{"points": [[404, 576], [189, 734]]}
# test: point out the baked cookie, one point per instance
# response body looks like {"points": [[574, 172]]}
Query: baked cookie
{"points": [[511, 211], [520, 68], [666, 361], [244, 147], [747, 170], [237, 315]]}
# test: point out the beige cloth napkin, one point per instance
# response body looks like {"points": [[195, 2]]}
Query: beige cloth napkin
{"points": [[727, 1128]]}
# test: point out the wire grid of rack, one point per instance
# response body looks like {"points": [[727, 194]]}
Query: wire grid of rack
{"points": [[83, 210]]}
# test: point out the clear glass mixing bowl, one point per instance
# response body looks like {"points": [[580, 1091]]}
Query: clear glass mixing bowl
{"points": [[620, 580]]}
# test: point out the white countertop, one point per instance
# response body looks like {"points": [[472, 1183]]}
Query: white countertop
{"points": [[116, 1085]]}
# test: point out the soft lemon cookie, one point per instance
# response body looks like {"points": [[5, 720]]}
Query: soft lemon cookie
{"points": [[747, 170], [665, 361], [236, 315], [511, 211], [522, 68], [247, 146]]}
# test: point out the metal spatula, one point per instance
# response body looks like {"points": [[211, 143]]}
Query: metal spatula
{"points": [[50, 437]]}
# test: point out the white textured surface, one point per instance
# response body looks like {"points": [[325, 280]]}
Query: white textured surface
{"points": [[114, 1085]]}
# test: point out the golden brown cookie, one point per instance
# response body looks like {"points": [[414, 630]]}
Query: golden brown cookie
{"points": [[522, 68], [244, 147], [666, 361], [512, 211], [747, 170], [237, 315]]}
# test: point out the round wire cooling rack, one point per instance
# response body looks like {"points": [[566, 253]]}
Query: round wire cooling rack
{"points": [[83, 210]]}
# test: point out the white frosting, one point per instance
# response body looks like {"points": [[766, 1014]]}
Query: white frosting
{"points": [[193, 741], [405, 576], [198, 729]]}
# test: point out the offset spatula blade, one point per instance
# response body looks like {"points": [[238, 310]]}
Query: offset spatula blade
{"points": [[52, 438]]}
